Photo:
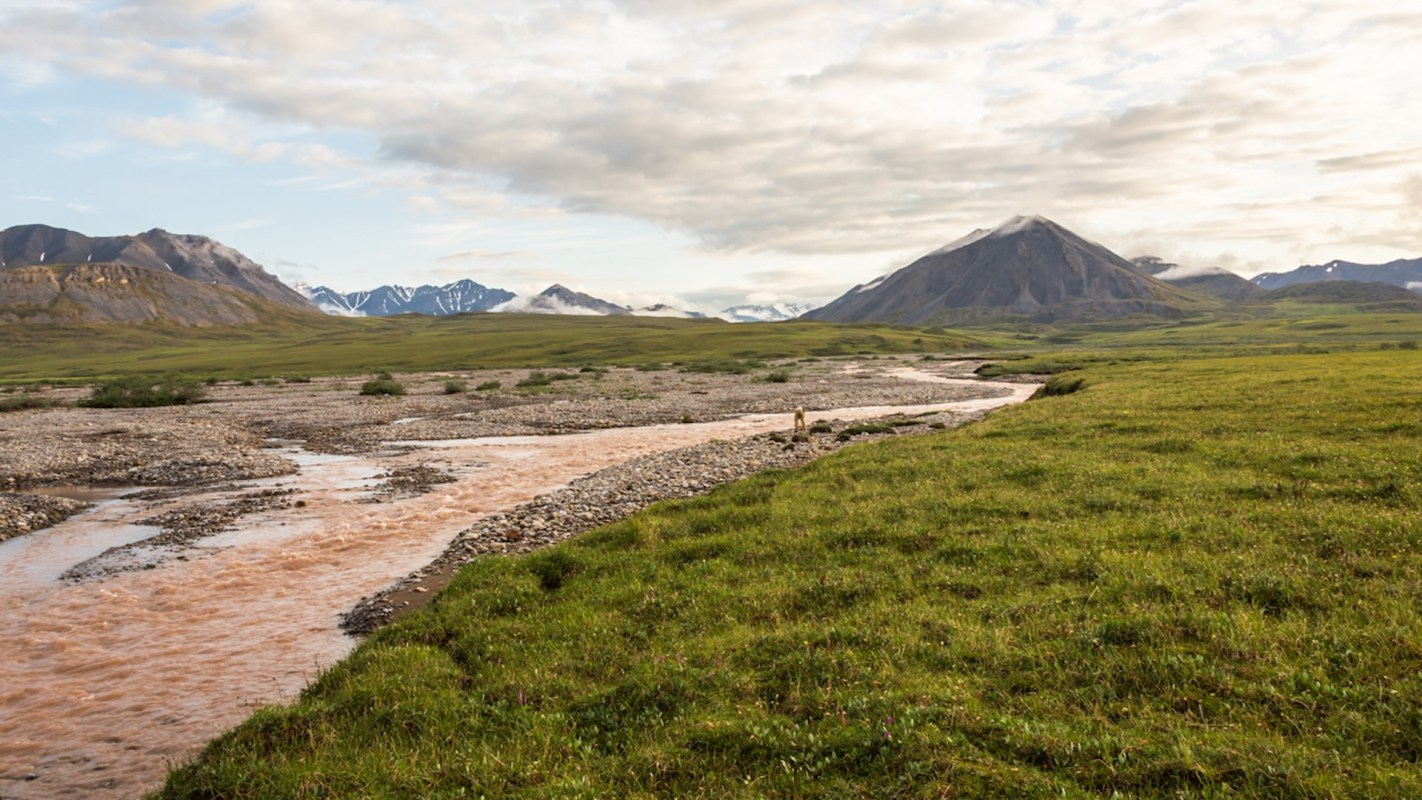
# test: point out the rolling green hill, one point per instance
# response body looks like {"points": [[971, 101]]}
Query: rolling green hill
{"points": [[311, 344], [1194, 577]]}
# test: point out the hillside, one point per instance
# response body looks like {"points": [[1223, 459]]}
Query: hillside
{"points": [[196, 258], [1147, 588], [1366, 296], [123, 293], [1027, 268]]}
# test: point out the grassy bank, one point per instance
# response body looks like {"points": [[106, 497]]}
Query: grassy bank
{"points": [[316, 345], [1195, 578]]}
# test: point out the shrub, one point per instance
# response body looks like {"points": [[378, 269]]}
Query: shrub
{"points": [[534, 379], [778, 376], [488, 386], [821, 426], [25, 400], [382, 386], [297, 379], [594, 370], [1059, 385], [868, 427], [1410, 344], [651, 366], [455, 386], [137, 391]]}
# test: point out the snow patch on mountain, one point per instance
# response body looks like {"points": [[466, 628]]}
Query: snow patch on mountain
{"points": [[772, 312]]}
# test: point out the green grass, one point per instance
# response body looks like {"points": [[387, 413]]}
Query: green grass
{"points": [[318, 345], [1189, 578]]}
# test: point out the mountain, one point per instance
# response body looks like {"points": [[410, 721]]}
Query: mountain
{"points": [[1406, 273], [559, 299], [195, 258], [775, 312], [108, 292], [453, 298], [1027, 267], [1212, 281]]}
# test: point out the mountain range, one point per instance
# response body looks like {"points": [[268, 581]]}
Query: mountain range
{"points": [[55, 275], [1026, 269], [196, 258], [453, 298], [1406, 273]]}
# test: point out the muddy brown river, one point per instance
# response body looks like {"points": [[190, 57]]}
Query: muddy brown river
{"points": [[106, 684]]}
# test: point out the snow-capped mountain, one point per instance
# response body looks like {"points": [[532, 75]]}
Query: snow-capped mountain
{"points": [[453, 298], [559, 299], [775, 312]]}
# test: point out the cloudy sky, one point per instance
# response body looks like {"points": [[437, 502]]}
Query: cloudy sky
{"points": [[716, 151]]}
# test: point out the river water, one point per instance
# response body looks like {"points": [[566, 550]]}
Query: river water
{"points": [[106, 684]]}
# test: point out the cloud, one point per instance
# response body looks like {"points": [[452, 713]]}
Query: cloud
{"points": [[786, 127]]}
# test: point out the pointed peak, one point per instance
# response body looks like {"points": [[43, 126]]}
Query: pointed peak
{"points": [[1021, 223]]}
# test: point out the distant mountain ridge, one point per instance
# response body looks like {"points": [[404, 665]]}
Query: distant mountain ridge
{"points": [[195, 258], [1026, 267], [1404, 272], [1212, 281], [460, 297]]}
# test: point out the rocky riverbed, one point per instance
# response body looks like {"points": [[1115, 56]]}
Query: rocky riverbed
{"points": [[233, 434]]}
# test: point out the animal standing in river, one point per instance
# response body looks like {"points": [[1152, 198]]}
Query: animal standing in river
{"points": [[800, 420]]}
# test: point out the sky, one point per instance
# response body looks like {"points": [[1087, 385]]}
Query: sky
{"points": [[713, 152]]}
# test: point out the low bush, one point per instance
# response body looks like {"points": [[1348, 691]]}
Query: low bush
{"points": [[455, 386], [867, 427], [488, 386], [26, 400], [382, 387], [138, 391], [778, 376]]}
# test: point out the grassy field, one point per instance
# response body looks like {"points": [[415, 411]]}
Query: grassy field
{"points": [[331, 345], [1194, 577]]}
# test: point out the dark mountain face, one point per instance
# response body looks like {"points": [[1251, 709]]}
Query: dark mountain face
{"points": [[1028, 266], [196, 258], [455, 298], [1406, 273]]}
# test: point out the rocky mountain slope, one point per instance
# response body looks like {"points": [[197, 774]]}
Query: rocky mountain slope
{"points": [[196, 258], [111, 292], [1028, 267]]}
